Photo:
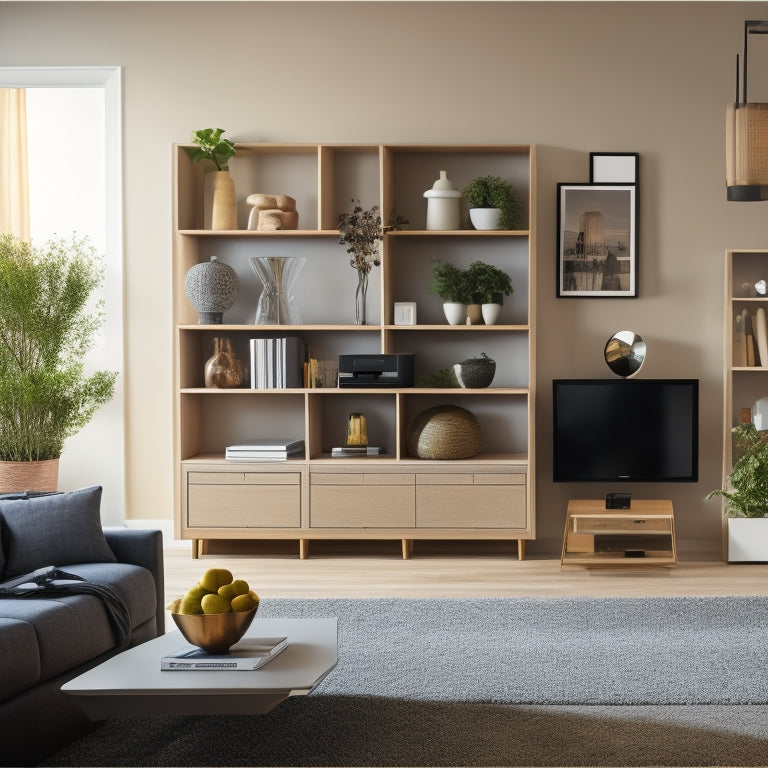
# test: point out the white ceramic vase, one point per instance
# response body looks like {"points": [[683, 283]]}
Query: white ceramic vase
{"points": [[491, 313], [485, 218], [455, 313]]}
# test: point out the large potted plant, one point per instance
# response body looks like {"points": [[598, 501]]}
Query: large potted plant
{"points": [[488, 285], [213, 148], [450, 283], [746, 496], [48, 322], [493, 203]]}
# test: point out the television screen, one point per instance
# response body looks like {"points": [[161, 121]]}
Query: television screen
{"points": [[639, 430]]}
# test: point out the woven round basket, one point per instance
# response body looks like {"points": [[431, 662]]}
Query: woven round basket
{"points": [[445, 432]]}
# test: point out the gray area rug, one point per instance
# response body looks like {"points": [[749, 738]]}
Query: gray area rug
{"points": [[495, 682]]}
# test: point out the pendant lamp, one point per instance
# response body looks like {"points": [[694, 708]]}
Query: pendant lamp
{"points": [[746, 136]]}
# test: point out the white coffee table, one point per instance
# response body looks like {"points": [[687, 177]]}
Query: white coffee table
{"points": [[131, 683]]}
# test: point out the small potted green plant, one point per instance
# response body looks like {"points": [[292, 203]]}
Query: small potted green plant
{"points": [[492, 193], [47, 325], [450, 283], [488, 286], [212, 147], [746, 495]]}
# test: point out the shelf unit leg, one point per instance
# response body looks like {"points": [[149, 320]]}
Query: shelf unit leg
{"points": [[303, 549], [195, 549], [521, 549], [407, 548]]}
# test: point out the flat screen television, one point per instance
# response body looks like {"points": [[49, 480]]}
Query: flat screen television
{"points": [[628, 430]]}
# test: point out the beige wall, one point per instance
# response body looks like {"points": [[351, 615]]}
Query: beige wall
{"points": [[570, 77]]}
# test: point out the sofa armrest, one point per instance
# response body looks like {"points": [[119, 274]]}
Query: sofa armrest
{"points": [[144, 548]]}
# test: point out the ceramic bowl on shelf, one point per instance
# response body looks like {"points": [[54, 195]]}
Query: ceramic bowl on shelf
{"points": [[475, 373], [213, 632]]}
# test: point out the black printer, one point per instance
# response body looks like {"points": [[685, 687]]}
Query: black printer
{"points": [[376, 370]]}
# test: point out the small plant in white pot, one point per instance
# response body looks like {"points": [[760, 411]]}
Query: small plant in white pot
{"points": [[450, 283], [746, 497], [493, 203], [489, 285]]}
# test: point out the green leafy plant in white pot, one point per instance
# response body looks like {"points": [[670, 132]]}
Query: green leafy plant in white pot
{"points": [[220, 187], [488, 285], [450, 283], [746, 496], [494, 203], [49, 319]]}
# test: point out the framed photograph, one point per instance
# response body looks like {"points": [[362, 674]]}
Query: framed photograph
{"points": [[614, 168], [597, 240], [405, 313]]}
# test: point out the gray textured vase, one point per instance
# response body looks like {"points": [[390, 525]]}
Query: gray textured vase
{"points": [[211, 288]]}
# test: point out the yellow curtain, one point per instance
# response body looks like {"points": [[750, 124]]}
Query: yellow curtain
{"points": [[14, 174]]}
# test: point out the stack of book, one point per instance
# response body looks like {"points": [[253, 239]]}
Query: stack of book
{"points": [[355, 450], [273, 448], [277, 363], [250, 653]]}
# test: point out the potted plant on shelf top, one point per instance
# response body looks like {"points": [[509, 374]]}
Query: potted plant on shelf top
{"points": [[746, 495], [212, 147], [48, 323], [492, 193]]}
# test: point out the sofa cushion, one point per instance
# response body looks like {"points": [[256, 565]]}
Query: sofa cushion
{"points": [[133, 584], [19, 657], [69, 630], [58, 530]]}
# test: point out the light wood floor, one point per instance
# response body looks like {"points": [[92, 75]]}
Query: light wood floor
{"points": [[330, 572]]}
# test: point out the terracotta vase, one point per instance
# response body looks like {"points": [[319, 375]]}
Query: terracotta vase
{"points": [[17, 476]]}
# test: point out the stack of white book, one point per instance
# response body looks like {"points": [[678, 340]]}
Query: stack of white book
{"points": [[277, 363], [271, 448]]}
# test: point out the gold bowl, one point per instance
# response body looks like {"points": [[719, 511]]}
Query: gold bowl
{"points": [[213, 632]]}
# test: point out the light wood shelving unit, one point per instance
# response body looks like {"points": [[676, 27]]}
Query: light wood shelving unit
{"points": [[393, 496], [743, 385]]}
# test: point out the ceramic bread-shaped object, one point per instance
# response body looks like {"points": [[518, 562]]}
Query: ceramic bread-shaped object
{"points": [[271, 212]]}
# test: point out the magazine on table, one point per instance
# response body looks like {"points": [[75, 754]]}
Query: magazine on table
{"points": [[249, 654]]}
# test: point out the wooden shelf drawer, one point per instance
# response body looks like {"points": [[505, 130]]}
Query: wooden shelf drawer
{"points": [[470, 506], [244, 500], [362, 506], [619, 524]]}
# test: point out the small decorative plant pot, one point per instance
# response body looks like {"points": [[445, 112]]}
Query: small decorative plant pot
{"points": [[455, 313], [491, 313], [474, 314], [484, 218], [476, 372]]}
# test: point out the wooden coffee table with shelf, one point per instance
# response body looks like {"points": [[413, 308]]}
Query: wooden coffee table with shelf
{"points": [[131, 683]]}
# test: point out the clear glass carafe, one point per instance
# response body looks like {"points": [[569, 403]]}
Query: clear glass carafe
{"points": [[277, 305]]}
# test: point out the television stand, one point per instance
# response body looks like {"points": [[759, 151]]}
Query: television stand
{"points": [[641, 536]]}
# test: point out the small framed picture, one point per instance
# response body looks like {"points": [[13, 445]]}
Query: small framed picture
{"points": [[405, 313], [614, 168], [597, 240]]}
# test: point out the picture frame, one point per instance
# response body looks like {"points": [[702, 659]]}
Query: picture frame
{"points": [[597, 244], [614, 168], [405, 313]]}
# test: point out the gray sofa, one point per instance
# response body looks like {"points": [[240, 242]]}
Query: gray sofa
{"points": [[47, 640]]}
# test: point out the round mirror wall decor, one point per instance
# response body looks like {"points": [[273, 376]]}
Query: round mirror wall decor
{"points": [[625, 353]]}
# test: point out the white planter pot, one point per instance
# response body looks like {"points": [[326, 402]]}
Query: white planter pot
{"points": [[747, 539], [455, 314], [484, 218], [491, 313]]}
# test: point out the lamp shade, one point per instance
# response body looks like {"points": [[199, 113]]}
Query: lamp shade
{"points": [[746, 148]]}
